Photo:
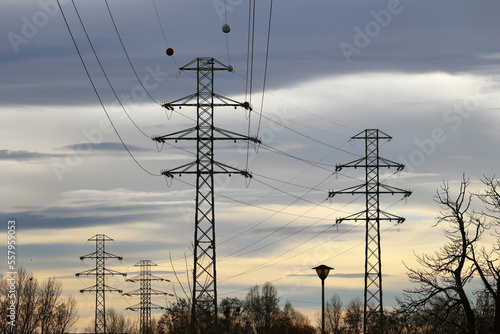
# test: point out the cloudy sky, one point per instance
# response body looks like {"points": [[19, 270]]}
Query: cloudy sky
{"points": [[425, 72]]}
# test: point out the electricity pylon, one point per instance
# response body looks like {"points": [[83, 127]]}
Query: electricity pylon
{"points": [[145, 292], [100, 272], [204, 292], [372, 188]]}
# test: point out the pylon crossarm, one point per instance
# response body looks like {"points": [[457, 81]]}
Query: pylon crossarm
{"points": [[226, 169], [204, 61], [356, 163], [393, 190], [159, 293], [86, 273], [391, 217], [89, 289], [366, 134], [88, 256], [184, 169], [359, 189], [355, 216], [95, 255], [142, 277], [179, 135], [386, 163], [113, 272], [108, 288], [230, 135], [93, 272], [182, 102], [226, 101]]}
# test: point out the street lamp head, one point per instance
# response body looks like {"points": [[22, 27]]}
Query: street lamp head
{"points": [[322, 271]]}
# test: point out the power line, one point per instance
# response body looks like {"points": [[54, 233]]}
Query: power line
{"points": [[265, 66], [97, 93], [163, 31], [126, 53], [103, 71]]}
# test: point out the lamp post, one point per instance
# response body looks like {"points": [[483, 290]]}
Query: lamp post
{"points": [[322, 272]]}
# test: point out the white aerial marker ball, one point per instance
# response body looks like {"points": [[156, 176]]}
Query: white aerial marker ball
{"points": [[226, 28]]}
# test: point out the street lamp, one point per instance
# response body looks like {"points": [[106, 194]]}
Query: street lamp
{"points": [[322, 272]]}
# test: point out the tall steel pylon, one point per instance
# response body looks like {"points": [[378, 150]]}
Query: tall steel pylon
{"points": [[372, 188], [145, 292], [204, 292], [100, 272]]}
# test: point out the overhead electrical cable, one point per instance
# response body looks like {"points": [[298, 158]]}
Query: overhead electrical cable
{"points": [[264, 220], [97, 93], [247, 81], [295, 106], [311, 138], [266, 264], [259, 223], [103, 71], [227, 37], [163, 31], [265, 66], [313, 163], [256, 268], [126, 53], [263, 265], [252, 54]]}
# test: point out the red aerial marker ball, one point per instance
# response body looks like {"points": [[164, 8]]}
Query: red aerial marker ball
{"points": [[246, 105], [170, 51]]}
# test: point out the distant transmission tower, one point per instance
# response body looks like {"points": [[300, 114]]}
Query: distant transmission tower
{"points": [[204, 298], [100, 272], [145, 292], [372, 188]]}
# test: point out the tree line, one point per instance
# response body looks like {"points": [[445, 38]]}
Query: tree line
{"points": [[259, 312]]}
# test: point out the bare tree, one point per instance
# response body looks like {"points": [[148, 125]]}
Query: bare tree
{"points": [[487, 261], [354, 316], [176, 319], [47, 297], [333, 314], [118, 323], [446, 272], [38, 308], [262, 307], [65, 315], [231, 309]]}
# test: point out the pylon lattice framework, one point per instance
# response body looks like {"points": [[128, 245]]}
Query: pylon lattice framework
{"points": [[204, 292], [145, 292], [100, 272], [372, 188]]}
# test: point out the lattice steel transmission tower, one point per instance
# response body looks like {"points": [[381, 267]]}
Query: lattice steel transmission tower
{"points": [[204, 292], [372, 188], [100, 272], [145, 292]]}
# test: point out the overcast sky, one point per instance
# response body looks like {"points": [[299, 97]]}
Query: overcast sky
{"points": [[424, 72]]}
